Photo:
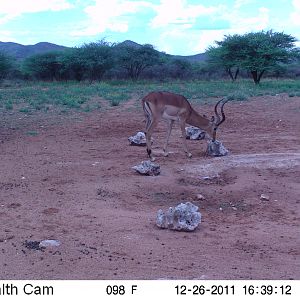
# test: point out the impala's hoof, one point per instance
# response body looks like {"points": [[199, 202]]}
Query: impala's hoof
{"points": [[152, 158], [166, 153]]}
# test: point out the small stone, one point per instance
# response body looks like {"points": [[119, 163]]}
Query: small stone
{"points": [[139, 139], [49, 243], [264, 197], [200, 197], [147, 168]]}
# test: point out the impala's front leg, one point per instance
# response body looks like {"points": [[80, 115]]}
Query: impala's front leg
{"points": [[185, 148]]}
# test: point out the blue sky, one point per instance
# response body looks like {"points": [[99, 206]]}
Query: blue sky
{"points": [[182, 27]]}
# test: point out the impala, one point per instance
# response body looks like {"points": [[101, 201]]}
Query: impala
{"points": [[173, 107]]}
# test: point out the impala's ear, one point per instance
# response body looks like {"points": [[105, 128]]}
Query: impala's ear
{"points": [[212, 119]]}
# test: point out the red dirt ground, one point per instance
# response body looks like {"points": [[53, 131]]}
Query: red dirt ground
{"points": [[70, 179]]}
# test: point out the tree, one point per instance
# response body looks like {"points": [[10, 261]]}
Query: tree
{"points": [[256, 52], [179, 68], [44, 66], [226, 55], [73, 64], [5, 65], [98, 59], [265, 51], [135, 59]]}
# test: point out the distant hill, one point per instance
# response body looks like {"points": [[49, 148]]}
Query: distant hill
{"points": [[21, 51], [190, 58], [129, 43]]}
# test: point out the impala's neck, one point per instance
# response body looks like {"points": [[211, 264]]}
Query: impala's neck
{"points": [[199, 121]]}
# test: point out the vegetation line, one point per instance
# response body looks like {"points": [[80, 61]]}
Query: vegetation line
{"points": [[27, 97]]}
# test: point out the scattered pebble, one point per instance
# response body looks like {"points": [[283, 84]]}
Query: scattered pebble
{"points": [[264, 197], [200, 197], [49, 243]]}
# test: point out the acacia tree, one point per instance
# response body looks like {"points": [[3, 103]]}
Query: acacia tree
{"points": [[73, 64], [135, 59], [98, 59], [226, 55], [265, 51], [44, 66], [5, 65], [256, 52]]}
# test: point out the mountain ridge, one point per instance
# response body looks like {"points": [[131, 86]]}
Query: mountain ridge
{"points": [[20, 52]]}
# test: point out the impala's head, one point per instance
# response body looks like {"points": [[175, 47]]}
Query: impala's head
{"points": [[217, 120]]}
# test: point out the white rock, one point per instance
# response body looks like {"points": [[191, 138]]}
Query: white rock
{"points": [[216, 148], [138, 140], [50, 243], [183, 217], [200, 197], [264, 197], [147, 168], [194, 133]]}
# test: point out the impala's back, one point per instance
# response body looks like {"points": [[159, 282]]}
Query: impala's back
{"points": [[165, 105]]}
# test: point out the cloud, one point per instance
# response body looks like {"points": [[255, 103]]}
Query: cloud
{"points": [[184, 23], [179, 12], [295, 15], [242, 23], [191, 42], [10, 9], [111, 15]]}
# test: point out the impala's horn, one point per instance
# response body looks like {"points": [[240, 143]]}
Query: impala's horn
{"points": [[219, 121], [217, 118]]}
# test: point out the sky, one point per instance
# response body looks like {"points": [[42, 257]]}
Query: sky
{"points": [[181, 27]]}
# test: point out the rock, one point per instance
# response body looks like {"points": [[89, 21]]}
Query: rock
{"points": [[147, 168], [264, 197], [194, 133], [138, 140], [183, 217], [49, 243], [216, 148], [200, 197]]}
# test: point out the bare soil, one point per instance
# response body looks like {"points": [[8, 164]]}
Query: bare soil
{"points": [[70, 178]]}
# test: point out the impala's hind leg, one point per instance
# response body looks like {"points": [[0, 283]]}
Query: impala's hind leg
{"points": [[170, 126], [150, 124], [149, 130]]}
